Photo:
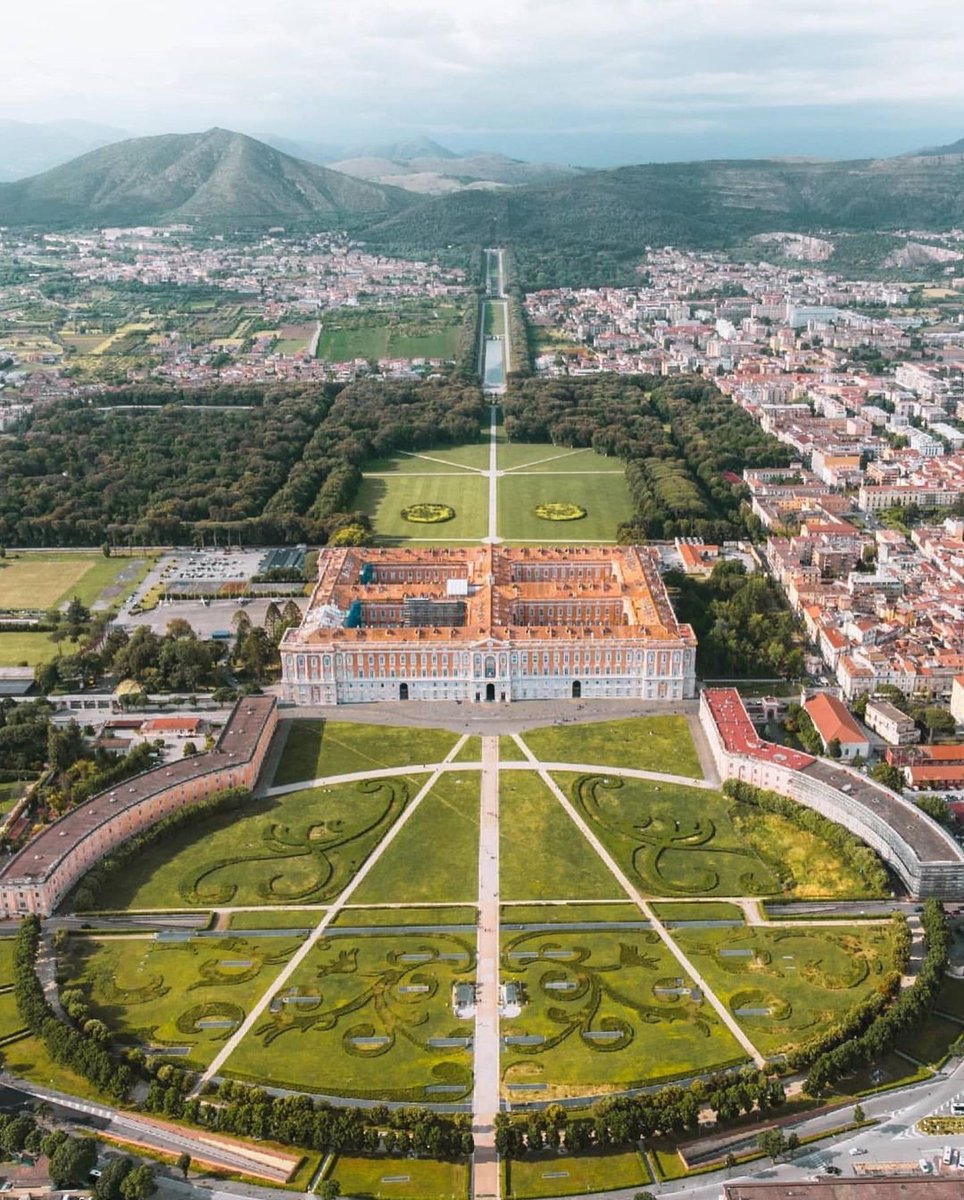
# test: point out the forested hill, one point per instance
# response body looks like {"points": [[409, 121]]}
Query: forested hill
{"points": [[594, 228], [214, 177]]}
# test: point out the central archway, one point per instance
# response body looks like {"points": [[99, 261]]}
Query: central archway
{"points": [[490, 692]]}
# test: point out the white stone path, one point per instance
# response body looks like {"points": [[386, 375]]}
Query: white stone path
{"points": [[485, 1098], [313, 938]]}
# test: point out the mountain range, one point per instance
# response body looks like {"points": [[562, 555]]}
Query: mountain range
{"points": [[26, 149], [606, 217]]}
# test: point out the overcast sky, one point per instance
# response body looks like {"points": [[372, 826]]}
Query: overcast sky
{"points": [[592, 81]]}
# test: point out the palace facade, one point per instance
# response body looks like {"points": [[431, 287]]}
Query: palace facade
{"points": [[488, 623]]}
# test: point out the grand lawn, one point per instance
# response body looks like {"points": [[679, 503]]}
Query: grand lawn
{"points": [[176, 993], [299, 848], [542, 854], [44, 579], [384, 497], [604, 496], [315, 749], [384, 1178], [786, 985], [363, 1016], [436, 856], [548, 1174], [641, 743], [610, 1010]]}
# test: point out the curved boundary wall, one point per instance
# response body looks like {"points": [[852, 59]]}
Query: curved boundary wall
{"points": [[38, 877], [926, 859]]}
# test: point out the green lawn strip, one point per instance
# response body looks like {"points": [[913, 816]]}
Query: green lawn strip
{"points": [[10, 793], [19, 649], [604, 497], [413, 1178], [711, 910], [394, 988], [436, 855], [546, 459], [28, 1059], [10, 1020], [929, 1042], [613, 1010], [383, 499], [288, 918], [786, 985], [568, 914], [509, 749], [341, 345], [306, 1172], [889, 1072], [6, 960], [494, 319], [315, 749], [671, 839], [374, 918], [301, 847], [642, 743], [543, 855], [950, 999], [471, 751], [541, 1175], [160, 993], [441, 459]]}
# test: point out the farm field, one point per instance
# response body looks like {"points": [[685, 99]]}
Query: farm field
{"points": [[384, 498], [385, 1178], [540, 1175], [435, 857], [299, 848], [542, 855], [376, 1009], [315, 749], [784, 986], [641, 743], [173, 994], [605, 1011]]}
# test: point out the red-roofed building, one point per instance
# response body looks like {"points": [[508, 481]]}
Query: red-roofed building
{"points": [[833, 722]]}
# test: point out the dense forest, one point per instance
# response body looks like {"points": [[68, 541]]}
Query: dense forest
{"points": [[679, 438], [281, 467]]}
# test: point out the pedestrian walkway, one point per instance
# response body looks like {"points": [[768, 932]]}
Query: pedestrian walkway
{"points": [[485, 1100]]}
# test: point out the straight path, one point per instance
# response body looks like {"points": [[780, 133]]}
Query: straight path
{"points": [[313, 938], [493, 535], [485, 1099], [644, 907]]}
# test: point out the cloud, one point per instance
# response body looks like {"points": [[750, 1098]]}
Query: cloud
{"points": [[328, 67]]}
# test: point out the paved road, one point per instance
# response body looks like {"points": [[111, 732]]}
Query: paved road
{"points": [[311, 941], [485, 1100]]}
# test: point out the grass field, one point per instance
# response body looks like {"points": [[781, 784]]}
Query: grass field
{"points": [[406, 1178], [436, 856], [44, 580], [544, 458], [384, 498], [10, 793], [315, 749], [373, 1006], [784, 986], [567, 913], [613, 1012], [436, 461], [642, 743], [173, 994], [29, 1059], [299, 848], [287, 918], [471, 751], [930, 1042], [542, 854], [374, 918], [28, 649], [604, 497], [710, 910], [950, 999], [681, 841], [540, 1175]]}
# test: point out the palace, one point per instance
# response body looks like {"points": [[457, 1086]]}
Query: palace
{"points": [[488, 623]]}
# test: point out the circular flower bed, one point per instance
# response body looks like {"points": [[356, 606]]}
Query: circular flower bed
{"points": [[558, 511], [428, 514]]}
